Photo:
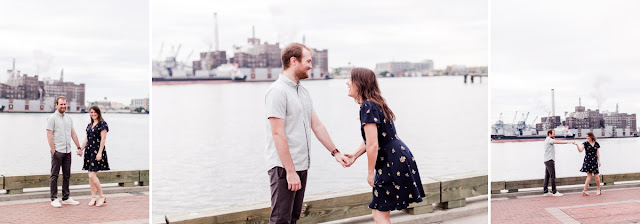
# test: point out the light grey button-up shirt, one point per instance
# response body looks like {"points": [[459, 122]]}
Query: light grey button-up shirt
{"points": [[549, 149], [61, 126], [290, 101]]}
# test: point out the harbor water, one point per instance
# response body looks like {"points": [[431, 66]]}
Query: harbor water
{"points": [[524, 160], [24, 148], [209, 139]]}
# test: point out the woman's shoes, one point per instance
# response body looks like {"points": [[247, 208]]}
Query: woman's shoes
{"points": [[584, 193], [599, 193], [101, 201], [92, 202]]}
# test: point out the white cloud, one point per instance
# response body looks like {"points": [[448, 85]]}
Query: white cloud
{"points": [[449, 32], [584, 49], [104, 44]]}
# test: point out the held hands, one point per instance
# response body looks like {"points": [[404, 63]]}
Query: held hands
{"points": [[352, 159], [342, 159]]}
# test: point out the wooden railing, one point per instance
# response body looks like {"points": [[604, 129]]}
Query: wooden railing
{"points": [[449, 191], [514, 186], [127, 178]]}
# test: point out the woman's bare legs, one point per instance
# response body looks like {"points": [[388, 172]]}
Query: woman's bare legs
{"points": [[381, 217], [586, 185], [598, 183]]}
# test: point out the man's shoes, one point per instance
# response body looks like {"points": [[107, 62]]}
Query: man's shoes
{"points": [[56, 204], [70, 201], [547, 194], [557, 194]]}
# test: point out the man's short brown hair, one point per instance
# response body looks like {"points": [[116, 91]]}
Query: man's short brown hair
{"points": [[549, 132], [60, 97], [293, 50]]}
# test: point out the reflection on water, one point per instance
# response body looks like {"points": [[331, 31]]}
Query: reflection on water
{"points": [[209, 140]]}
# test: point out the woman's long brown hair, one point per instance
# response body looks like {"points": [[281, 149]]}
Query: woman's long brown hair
{"points": [[367, 86]]}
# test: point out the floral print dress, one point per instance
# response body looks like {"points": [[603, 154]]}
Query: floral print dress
{"points": [[397, 180], [92, 148], [590, 164]]}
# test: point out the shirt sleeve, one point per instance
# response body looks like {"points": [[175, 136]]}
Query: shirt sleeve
{"points": [[552, 141], [369, 113], [275, 103], [51, 123], [104, 126]]}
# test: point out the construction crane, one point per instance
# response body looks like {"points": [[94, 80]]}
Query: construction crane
{"points": [[525, 120], [514, 118]]}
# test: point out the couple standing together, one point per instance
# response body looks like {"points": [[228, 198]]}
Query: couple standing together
{"points": [[60, 132], [392, 171], [590, 165]]}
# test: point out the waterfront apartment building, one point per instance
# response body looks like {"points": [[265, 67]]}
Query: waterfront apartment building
{"points": [[404, 68], [137, 103], [210, 60], [26, 93]]}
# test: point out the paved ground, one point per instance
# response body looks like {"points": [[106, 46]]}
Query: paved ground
{"points": [[120, 208], [613, 206], [476, 212]]}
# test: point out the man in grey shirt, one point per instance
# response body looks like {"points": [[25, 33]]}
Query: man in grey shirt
{"points": [[292, 117], [59, 134], [549, 163]]}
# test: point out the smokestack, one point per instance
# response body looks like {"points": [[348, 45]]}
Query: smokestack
{"points": [[579, 101], [13, 69], [62, 75], [553, 104], [303, 40], [253, 32], [616, 108], [215, 19]]}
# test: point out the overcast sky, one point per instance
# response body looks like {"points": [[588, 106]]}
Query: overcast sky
{"points": [[358, 32], [104, 44], [587, 49]]}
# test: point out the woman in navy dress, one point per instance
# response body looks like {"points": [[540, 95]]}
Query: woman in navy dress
{"points": [[393, 173], [591, 161], [95, 154]]}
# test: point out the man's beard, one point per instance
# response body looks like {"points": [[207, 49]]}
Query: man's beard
{"points": [[302, 74]]}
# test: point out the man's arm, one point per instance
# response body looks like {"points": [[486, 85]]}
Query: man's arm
{"points": [[50, 139], [323, 136], [282, 147], [74, 137]]}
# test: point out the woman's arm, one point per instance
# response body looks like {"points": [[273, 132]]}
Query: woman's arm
{"points": [[371, 133], [103, 138], [359, 151], [580, 147], [84, 143], [598, 154]]}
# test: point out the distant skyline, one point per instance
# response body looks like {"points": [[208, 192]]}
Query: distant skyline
{"points": [[447, 32], [104, 44], [590, 51]]}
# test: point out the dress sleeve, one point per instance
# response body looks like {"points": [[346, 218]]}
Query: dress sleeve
{"points": [[597, 145], [369, 113], [103, 126]]}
